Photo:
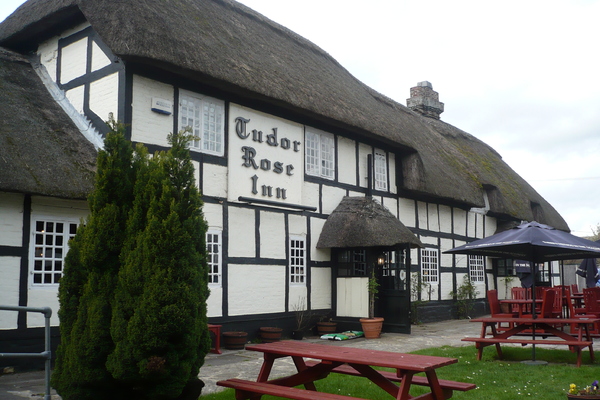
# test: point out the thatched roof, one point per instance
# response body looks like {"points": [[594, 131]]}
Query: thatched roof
{"points": [[41, 151], [226, 45], [363, 222]]}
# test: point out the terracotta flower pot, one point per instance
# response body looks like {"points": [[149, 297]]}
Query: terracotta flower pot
{"points": [[372, 327]]}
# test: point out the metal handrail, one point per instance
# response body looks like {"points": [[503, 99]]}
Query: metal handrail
{"points": [[47, 353]]}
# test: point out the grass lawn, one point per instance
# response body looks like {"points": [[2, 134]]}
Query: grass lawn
{"points": [[495, 379]]}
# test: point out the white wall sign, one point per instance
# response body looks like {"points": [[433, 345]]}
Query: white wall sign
{"points": [[265, 157]]}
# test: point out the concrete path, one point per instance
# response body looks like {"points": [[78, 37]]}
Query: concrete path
{"points": [[246, 364]]}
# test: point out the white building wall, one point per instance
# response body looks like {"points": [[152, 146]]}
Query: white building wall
{"points": [[406, 211], [242, 240], [268, 289], [272, 235], [214, 303], [75, 96], [479, 229], [347, 158], [146, 125], [445, 216], [320, 295], [11, 215], [460, 221], [316, 227], [310, 195], [99, 58], [331, 198], [214, 180], [9, 290], [391, 204], [433, 221], [104, 98], [73, 60], [297, 225], [422, 215], [298, 298]]}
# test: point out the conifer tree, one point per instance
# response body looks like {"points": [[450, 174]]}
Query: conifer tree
{"points": [[159, 322], [133, 295], [91, 266]]}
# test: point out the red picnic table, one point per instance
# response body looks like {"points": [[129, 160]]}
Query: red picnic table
{"points": [[345, 360], [524, 326]]}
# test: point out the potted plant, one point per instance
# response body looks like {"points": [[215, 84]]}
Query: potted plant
{"points": [[588, 392], [465, 296], [372, 326]]}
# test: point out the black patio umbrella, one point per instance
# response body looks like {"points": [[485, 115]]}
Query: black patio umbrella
{"points": [[533, 242]]}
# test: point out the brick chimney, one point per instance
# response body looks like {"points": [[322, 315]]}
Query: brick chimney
{"points": [[424, 100]]}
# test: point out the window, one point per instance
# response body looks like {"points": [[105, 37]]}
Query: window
{"points": [[476, 269], [352, 263], [205, 117], [319, 153], [297, 261], [50, 246], [380, 168], [429, 266], [505, 267], [213, 250]]}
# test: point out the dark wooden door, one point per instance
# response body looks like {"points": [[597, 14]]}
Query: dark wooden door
{"points": [[393, 299]]}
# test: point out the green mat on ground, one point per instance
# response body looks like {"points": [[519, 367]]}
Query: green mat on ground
{"points": [[343, 336]]}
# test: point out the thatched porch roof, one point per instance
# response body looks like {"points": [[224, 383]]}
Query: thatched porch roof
{"points": [[363, 222]]}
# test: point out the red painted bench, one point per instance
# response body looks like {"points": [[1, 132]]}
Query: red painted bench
{"points": [[247, 389]]}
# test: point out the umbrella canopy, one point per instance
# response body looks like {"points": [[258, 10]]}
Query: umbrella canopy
{"points": [[533, 242]]}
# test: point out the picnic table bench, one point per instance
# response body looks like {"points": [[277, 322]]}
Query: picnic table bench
{"points": [[324, 359], [546, 327]]}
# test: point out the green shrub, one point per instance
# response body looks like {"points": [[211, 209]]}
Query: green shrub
{"points": [[133, 295]]}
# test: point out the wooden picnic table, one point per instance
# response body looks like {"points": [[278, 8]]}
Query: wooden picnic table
{"points": [[324, 359], [524, 305], [525, 326]]}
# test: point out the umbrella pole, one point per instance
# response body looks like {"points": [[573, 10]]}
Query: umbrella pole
{"points": [[533, 310]]}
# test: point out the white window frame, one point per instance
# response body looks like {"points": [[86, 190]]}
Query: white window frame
{"points": [[214, 256], [46, 257], [297, 260], [430, 266], [477, 269], [319, 153], [380, 170], [206, 117]]}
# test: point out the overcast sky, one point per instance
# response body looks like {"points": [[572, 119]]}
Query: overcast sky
{"points": [[523, 76]]}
